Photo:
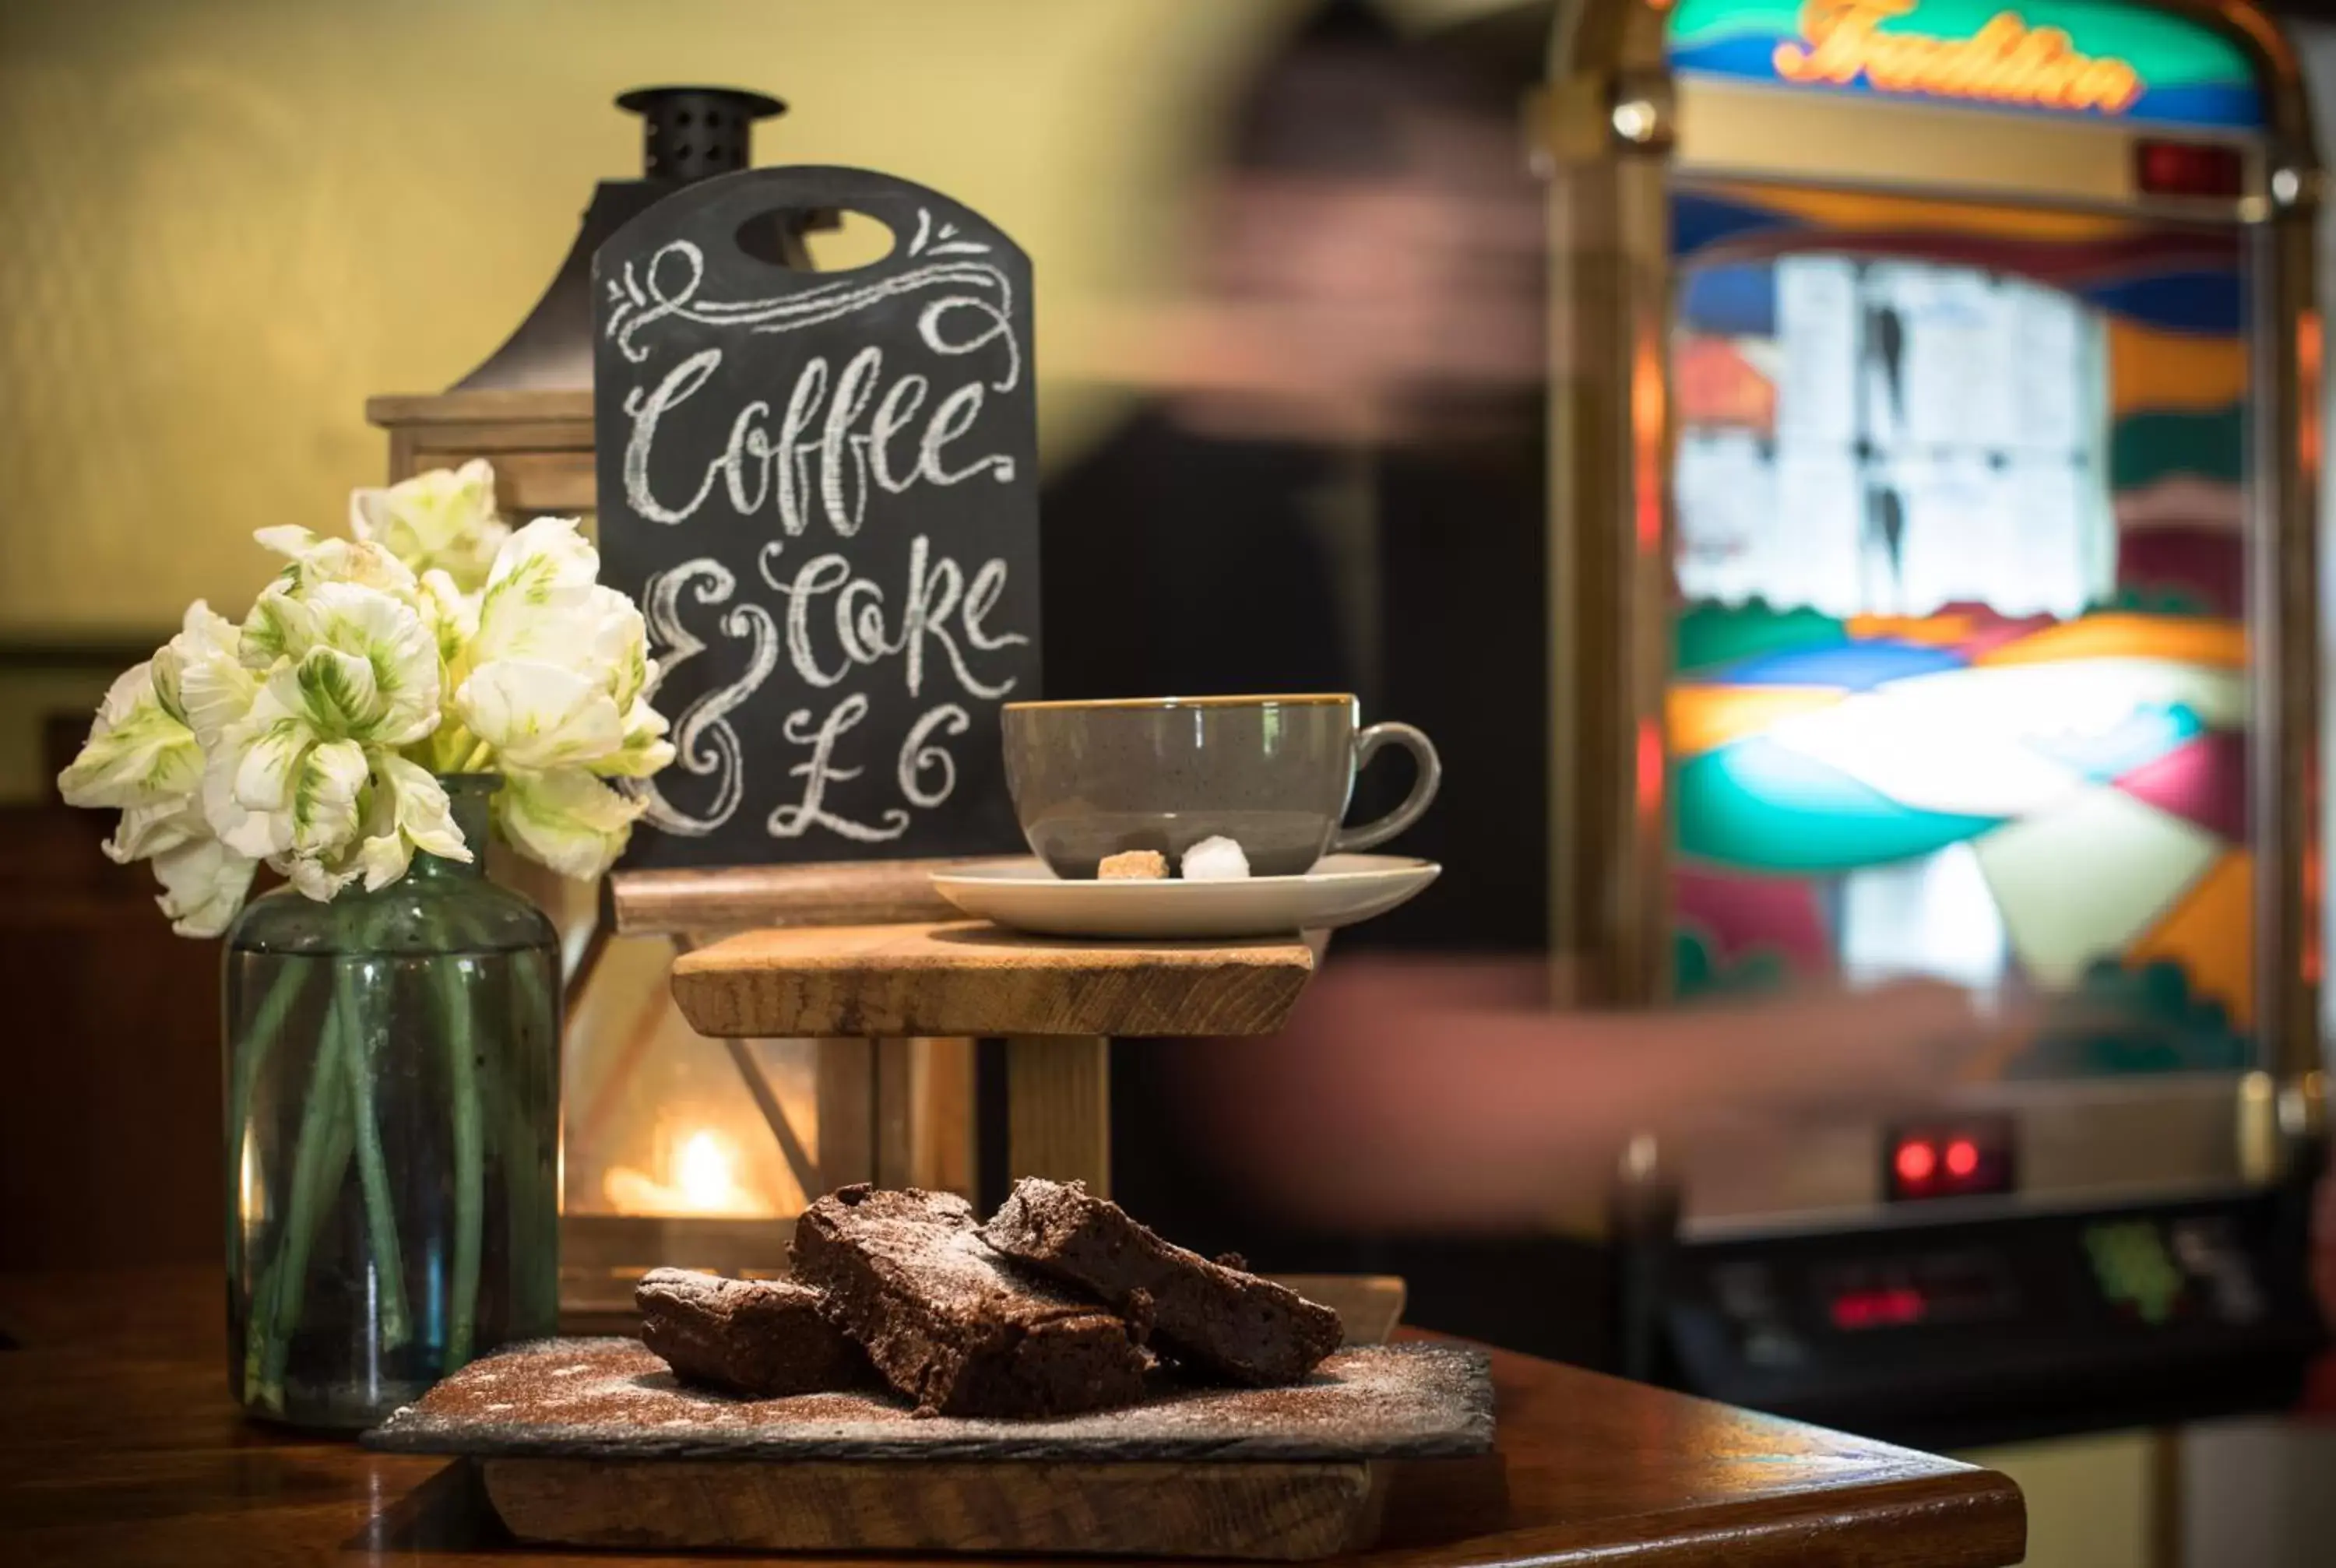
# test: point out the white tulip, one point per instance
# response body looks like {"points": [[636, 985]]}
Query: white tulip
{"points": [[452, 614], [283, 620], [301, 790], [408, 810], [315, 878], [372, 672], [443, 520], [197, 676], [204, 883], [145, 754], [148, 830], [546, 564], [645, 750], [137, 754], [538, 716], [569, 820], [556, 674]]}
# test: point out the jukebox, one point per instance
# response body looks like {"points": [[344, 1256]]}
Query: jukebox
{"points": [[1934, 434]]}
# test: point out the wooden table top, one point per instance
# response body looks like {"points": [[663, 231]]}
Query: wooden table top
{"points": [[119, 1445], [970, 978]]}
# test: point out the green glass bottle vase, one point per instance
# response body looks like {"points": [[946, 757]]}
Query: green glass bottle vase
{"points": [[393, 1105]]}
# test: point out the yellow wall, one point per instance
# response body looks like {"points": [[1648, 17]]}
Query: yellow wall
{"points": [[227, 223]]}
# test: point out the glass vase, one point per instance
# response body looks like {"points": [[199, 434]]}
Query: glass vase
{"points": [[392, 1101]]}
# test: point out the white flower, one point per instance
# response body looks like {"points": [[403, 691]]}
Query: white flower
{"points": [[546, 565], [569, 820], [440, 520], [282, 621], [148, 830], [315, 878], [200, 677], [297, 794], [137, 754], [557, 673], [371, 671], [204, 883], [359, 680], [144, 757], [452, 616], [408, 810], [645, 749], [540, 716]]}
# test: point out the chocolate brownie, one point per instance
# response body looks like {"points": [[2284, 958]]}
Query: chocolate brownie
{"points": [[1212, 1319], [951, 1323], [759, 1337]]}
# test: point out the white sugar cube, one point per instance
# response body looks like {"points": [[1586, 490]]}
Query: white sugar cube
{"points": [[1214, 860]]}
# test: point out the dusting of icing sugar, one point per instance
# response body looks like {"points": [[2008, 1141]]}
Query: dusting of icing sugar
{"points": [[1366, 1400]]}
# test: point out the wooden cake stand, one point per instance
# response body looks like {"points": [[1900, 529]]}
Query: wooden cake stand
{"points": [[872, 953]]}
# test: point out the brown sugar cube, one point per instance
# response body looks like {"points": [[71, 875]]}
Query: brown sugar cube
{"points": [[1212, 1317], [1133, 866], [949, 1322], [765, 1337]]}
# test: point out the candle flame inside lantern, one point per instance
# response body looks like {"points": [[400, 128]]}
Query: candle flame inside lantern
{"points": [[701, 1176]]}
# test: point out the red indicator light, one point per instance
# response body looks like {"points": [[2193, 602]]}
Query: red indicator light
{"points": [[1969, 1157], [1894, 1306], [2188, 168]]}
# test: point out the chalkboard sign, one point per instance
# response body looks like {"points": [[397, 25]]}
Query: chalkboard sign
{"points": [[823, 488]]}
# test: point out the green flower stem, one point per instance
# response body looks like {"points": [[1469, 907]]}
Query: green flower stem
{"points": [[455, 997], [363, 1016], [258, 1334], [519, 1133], [250, 1055], [318, 1167]]}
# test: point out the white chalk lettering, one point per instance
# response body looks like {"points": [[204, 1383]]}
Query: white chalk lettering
{"points": [[819, 449], [916, 755], [704, 744], [671, 392], [791, 821], [953, 419], [894, 414]]}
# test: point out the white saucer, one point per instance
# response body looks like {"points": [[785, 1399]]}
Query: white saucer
{"points": [[1025, 895]]}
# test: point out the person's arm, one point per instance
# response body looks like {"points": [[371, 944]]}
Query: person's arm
{"points": [[1423, 1094]]}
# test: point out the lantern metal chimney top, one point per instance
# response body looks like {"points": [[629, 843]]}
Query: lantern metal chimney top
{"points": [[688, 134], [691, 133]]}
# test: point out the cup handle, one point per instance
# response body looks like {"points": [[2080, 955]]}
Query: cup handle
{"points": [[1423, 789]]}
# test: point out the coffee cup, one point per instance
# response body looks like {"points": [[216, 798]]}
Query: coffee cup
{"points": [[1273, 773]]}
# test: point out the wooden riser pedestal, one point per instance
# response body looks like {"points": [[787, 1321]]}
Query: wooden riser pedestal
{"points": [[1058, 1004]]}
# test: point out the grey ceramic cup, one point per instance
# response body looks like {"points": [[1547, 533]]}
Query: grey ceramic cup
{"points": [[1273, 773]]}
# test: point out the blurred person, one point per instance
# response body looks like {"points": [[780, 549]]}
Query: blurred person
{"points": [[1334, 481]]}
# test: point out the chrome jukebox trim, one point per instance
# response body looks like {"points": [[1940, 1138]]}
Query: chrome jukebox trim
{"points": [[1736, 130], [2075, 1141]]}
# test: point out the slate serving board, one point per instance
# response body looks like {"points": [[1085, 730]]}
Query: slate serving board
{"points": [[613, 1400]]}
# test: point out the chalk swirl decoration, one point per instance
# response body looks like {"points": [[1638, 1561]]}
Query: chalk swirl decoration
{"points": [[666, 288]]}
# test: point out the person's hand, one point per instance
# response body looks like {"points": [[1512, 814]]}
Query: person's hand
{"points": [[1446, 1093]]}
